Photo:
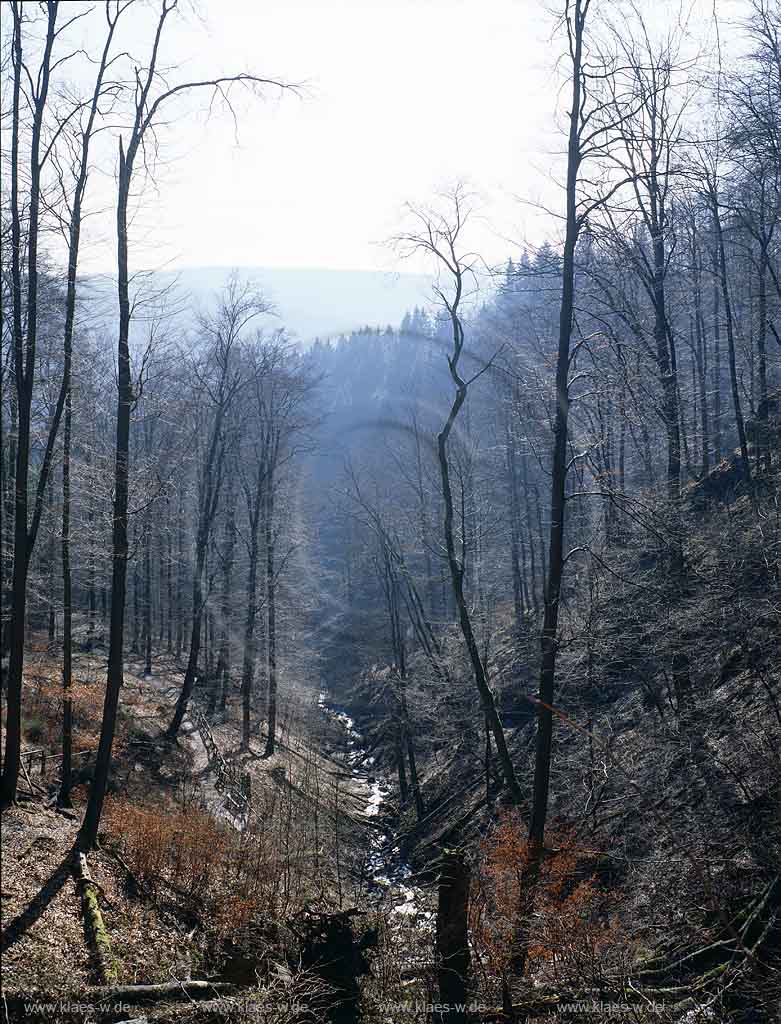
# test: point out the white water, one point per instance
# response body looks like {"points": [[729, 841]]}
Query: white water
{"points": [[406, 896]]}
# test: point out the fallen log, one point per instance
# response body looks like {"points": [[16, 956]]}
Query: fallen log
{"points": [[33, 785], [105, 998], [593, 1000], [101, 945], [171, 990]]}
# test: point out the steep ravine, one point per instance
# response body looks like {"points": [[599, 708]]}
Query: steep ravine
{"points": [[390, 874]]}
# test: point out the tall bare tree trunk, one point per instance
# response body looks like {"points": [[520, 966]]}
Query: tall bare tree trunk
{"points": [[169, 577], [763, 449], [254, 507], [701, 354], [717, 425], [63, 798], [92, 605], [24, 362], [515, 529], [51, 611], [24, 371], [271, 633], [191, 670], [115, 675], [448, 236], [733, 371], [220, 683], [577, 13], [211, 483], [9, 500], [409, 744], [559, 469], [456, 575], [148, 600], [179, 605], [665, 358]]}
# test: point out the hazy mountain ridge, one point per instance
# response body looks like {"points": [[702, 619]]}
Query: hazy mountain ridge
{"points": [[309, 302]]}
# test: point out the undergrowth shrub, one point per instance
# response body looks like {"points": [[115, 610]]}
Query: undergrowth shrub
{"points": [[574, 935], [191, 851], [229, 880]]}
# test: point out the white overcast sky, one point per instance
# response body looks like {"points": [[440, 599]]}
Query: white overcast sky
{"points": [[400, 97]]}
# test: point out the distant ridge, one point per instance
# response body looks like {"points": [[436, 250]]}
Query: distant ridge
{"points": [[310, 302]]}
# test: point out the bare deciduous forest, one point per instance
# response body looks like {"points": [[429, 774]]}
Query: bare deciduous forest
{"points": [[426, 672]]}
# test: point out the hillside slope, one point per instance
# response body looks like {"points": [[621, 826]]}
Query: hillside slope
{"points": [[665, 818]]}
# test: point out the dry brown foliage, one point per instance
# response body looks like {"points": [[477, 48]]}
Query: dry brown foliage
{"points": [[574, 934]]}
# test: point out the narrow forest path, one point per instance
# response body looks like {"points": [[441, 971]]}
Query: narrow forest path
{"points": [[302, 763], [388, 875]]}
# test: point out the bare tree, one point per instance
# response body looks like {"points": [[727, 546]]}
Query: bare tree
{"points": [[147, 107], [222, 379], [439, 235], [575, 20], [44, 138], [71, 223], [708, 173], [282, 396], [648, 112]]}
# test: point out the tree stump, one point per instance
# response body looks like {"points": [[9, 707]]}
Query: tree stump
{"points": [[452, 942], [329, 947]]}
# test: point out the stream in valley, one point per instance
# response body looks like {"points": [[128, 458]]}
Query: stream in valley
{"points": [[389, 873]]}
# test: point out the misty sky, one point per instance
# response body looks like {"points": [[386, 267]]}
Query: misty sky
{"points": [[399, 97]]}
